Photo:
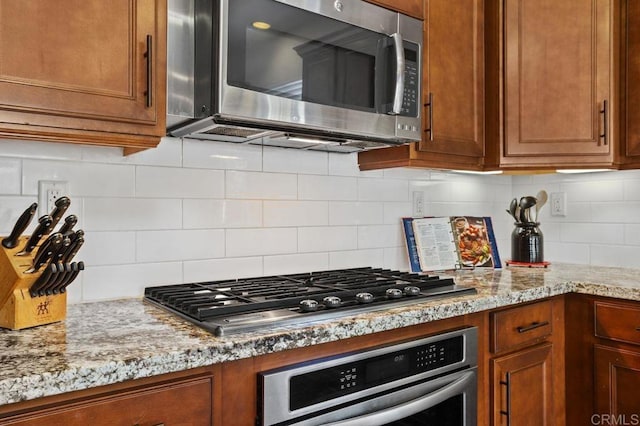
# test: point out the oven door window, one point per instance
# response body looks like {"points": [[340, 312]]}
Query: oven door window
{"points": [[281, 50]]}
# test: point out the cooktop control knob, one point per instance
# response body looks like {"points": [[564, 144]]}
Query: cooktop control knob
{"points": [[364, 297], [308, 305], [332, 301], [393, 293], [411, 290]]}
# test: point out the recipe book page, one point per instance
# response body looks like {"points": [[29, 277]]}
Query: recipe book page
{"points": [[435, 243]]}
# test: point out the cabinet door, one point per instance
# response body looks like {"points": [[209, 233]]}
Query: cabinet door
{"points": [[557, 82], [632, 82], [617, 376], [453, 81], [86, 65], [523, 387]]}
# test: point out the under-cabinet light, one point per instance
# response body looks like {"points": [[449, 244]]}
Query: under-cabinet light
{"points": [[575, 171]]}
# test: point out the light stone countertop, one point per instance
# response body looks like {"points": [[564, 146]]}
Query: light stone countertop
{"points": [[108, 342]]}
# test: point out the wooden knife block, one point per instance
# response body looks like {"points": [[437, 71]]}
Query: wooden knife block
{"points": [[18, 309]]}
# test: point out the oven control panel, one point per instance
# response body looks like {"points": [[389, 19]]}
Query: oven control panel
{"points": [[332, 382]]}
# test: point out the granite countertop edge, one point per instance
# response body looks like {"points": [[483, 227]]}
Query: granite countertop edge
{"points": [[202, 349]]}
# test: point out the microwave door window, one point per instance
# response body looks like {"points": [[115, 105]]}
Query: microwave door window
{"points": [[292, 53]]}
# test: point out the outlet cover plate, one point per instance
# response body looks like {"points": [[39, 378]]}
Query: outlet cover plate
{"points": [[48, 192]]}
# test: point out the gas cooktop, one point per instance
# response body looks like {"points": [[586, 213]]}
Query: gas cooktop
{"points": [[233, 306]]}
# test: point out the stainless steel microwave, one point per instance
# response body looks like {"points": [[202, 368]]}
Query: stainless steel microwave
{"points": [[340, 75]]}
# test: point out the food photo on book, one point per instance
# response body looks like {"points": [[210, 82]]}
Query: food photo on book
{"points": [[454, 242]]}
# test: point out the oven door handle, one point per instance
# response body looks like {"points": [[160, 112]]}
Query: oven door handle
{"points": [[412, 407]]}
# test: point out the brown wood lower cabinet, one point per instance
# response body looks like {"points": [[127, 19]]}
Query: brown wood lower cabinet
{"points": [[522, 390], [185, 401], [617, 390]]}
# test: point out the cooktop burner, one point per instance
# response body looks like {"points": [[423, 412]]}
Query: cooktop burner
{"points": [[224, 307]]}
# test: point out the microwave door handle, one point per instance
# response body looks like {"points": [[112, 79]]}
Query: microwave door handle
{"points": [[412, 407], [398, 97]]}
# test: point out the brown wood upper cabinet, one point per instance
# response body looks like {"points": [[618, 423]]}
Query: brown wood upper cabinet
{"points": [[90, 72], [630, 132], [452, 92], [559, 82], [413, 8]]}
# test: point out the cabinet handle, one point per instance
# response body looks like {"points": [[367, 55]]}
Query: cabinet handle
{"points": [[507, 413], [430, 105], [149, 57], [533, 326], [637, 328], [605, 122], [159, 424]]}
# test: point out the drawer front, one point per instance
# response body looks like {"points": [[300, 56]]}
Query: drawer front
{"points": [[520, 326], [618, 322], [182, 403]]}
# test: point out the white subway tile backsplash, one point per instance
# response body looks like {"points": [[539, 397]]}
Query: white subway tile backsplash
{"points": [[296, 213], [222, 214], [222, 269], [108, 248], [380, 236], [85, 179], [10, 176], [295, 161], [326, 238], [295, 263], [593, 190], [331, 188], [394, 211], [396, 258], [162, 246], [356, 258], [261, 186], [123, 281], [167, 153], [603, 233], [355, 213], [11, 207], [39, 150], [170, 182], [614, 212], [221, 155], [562, 252], [347, 165], [383, 189], [127, 214], [614, 255], [264, 241]]}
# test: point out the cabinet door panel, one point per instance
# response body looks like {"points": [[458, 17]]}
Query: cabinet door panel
{"points": [[78, 58], [523, 387], [557, 76], [454, 76], [632, 81], [617, 373]]}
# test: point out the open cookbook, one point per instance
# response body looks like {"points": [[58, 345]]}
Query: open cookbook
{"points": [[442, 243]]}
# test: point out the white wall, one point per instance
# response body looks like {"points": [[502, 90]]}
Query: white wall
{"points": [[193, 210]]}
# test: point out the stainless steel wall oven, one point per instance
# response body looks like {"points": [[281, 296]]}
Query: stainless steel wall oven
{"points": [[430, 381]]}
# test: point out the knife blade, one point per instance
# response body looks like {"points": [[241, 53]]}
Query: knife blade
{"points": [[46, 251], [21, 224], [43, 279], [61, 206], [72, 276], [44, 223], [69, 222]]}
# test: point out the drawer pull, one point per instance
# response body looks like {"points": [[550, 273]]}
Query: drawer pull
{"points": [[507, 413], [533, 326], [149, 60]]}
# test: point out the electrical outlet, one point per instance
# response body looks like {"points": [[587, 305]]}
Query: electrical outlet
{"points": [[48, 192], [418, 204], [558, 204]]}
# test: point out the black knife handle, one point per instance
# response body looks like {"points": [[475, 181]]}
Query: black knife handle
{"points": [[72, 250], [62, 204], [43, 279], [59, 274], [69, 222], [72, 276], [46, 251], [44, 224], [62, 248], [21, 224]]}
